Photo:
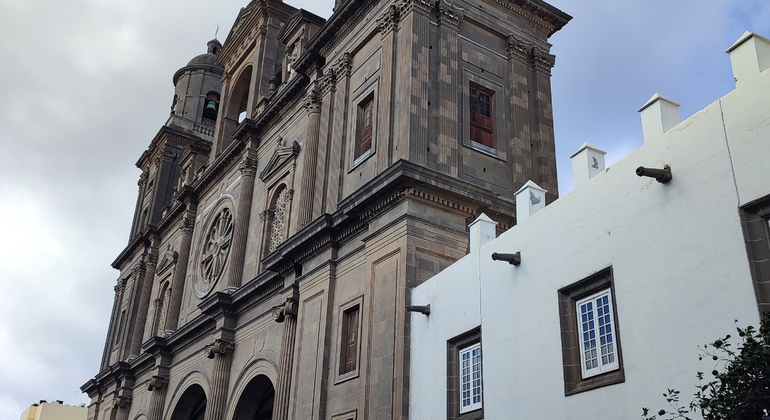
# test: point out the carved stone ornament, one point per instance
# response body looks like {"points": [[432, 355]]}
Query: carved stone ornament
{"points": [[289, 308], [214, 252], [518, 47], [121, 402], [312, 102], [344, 66], [156, 382], [388, 21], [219, 347], [248, 166], [406, 6], [449, 14], [543, 60]]}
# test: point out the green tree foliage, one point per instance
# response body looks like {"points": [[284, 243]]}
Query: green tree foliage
{"points": [[740, 388]]}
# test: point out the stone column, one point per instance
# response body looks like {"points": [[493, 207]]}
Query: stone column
{"points": [[313, 107], [222, 353], [248, 169], [287, 314], [177, 282], [151, 262], [157, 386]]}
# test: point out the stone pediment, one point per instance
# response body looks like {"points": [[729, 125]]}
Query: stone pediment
{"points": [[281, 157], [168, 261]]}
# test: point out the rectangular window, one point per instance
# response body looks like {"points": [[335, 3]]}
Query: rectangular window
{"points": [[349, 346], [366, 122], [755, 221], [470, 378], [591, 349], [481, 103], [596, 331], [465, 395]]}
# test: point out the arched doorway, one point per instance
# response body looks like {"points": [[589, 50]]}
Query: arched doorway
{"points": [[192, 405], [256, 401]]}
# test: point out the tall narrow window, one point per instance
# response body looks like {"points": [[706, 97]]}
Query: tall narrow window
{"points": [[591, 349], [481, 104], [470, 378], [349, 353], [596, 331], [366, 121]]}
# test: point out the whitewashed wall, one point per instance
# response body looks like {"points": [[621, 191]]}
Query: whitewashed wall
{"points": [[680, 271]]}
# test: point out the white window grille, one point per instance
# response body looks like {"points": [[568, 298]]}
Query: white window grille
{"points": [[597, 336], [470, 378]]}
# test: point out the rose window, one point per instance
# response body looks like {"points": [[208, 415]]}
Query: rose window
{"points": [[216, 247]]}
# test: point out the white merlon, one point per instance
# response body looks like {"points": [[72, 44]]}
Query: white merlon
{"points": [[586, 163], [482, 230], [749, 55], [529, 199], [659, 114]]}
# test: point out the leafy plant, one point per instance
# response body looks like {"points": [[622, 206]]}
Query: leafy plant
{"points": [[740, 388]]}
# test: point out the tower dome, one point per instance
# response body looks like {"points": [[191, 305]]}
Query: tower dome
{"points": [[198, 88], [210, 57]]}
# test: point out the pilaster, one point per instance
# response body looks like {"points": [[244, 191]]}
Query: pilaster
{"points": [[449, 81], [387, 24], [327, 91], [312, 105], [177, 281], [143, 306], [248, 168], [286, 314], [222, 353], [338, 138]]}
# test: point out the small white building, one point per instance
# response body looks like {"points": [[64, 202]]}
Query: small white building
{"points": [[597, 303]]}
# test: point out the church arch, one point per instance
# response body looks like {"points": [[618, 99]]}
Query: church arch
{"points": [[256, 401], [257, 367], [191, 405], [186, 395]]}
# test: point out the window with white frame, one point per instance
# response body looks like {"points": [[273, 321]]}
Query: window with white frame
{"points": [[470, 378], [591, 351], [596, 329]]}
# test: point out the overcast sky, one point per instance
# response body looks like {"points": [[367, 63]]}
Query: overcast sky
{"points": [[89, 82]]}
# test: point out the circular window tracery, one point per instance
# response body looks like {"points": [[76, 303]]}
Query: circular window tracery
{"points": [[216, 247]]}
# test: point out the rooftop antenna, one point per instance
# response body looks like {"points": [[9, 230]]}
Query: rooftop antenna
{"points": [[216, 32]]}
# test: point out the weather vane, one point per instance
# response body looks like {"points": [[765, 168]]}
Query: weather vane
{"points": [[217, 31]]}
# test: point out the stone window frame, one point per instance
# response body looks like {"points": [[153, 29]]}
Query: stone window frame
{"points": [[574, 382], [454, 346], [356, 303], [499, 131], [368, 91], [755, 223]]}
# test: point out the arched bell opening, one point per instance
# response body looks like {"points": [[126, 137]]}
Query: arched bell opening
{"points": [[210, 109], [192, 405], [256, 401], [234, 108], [239, 96]]}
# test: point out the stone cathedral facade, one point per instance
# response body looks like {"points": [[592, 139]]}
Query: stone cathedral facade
{"points": [[310, 174]]}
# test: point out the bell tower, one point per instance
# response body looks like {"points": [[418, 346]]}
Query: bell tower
{"points": [[198, 91]]}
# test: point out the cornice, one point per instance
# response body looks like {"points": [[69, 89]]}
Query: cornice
{"points": [[169, 133], [542, 15]]}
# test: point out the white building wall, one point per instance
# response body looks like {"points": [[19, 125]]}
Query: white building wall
{"points": [[679, 263]]}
